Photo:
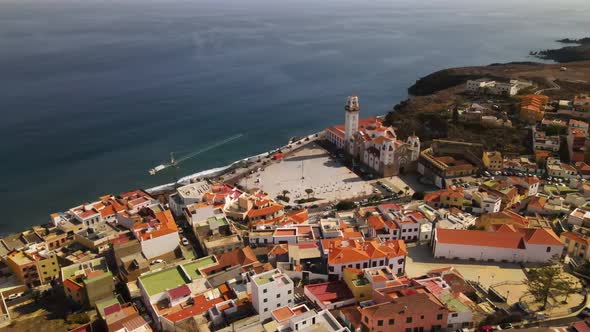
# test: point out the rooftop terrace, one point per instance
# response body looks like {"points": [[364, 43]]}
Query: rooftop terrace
{"points": [[192, 268], [157, 282]]}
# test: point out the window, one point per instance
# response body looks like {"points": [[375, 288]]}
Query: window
{"points": [[422, 317], [331, 269], [264, 291], [548, 249], [366, 319], [391, 321], [278, 305], [289, 292], [265, 309], [278, 296], [380, 322], [265, 300], [454, 314], [409, 320], [409, 329], [439, 316]]}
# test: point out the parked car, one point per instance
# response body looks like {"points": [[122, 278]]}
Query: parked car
{"points": [[14, 296], [157, 261], [506, 326], [184, 241]]}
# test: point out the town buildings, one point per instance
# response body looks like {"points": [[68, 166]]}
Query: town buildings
{"points": [[33, 267], [301, 318], [577, 245], [532, 108], [446, 160], [340, 254], [484, 85], [493, 161], [87, 283], [159, 236]]}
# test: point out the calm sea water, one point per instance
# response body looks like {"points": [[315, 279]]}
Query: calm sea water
{"points": [[94, 93]]}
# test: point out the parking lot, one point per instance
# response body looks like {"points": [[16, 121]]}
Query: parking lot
{"points": [[310, 168]]}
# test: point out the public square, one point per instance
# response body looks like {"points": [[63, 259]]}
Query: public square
{"points": [[309, 168]]}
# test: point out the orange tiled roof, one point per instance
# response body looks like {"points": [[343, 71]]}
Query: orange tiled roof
{"points": [[480, 238], [543, 236], [253, 213], [348, 251], [577, 237]]}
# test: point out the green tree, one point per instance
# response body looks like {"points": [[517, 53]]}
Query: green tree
{"points": [[418, 195], [286, 192], [344, 205], [547, 283], [308, 191]]}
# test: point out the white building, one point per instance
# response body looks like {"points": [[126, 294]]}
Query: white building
{"points": [[496, 88], [530, 183], [87, 215], [271, 290], [372, 143], [301, 318], [189, 194], [341, 254], [579, 217], [158, 238], [555, 168], [541, 141], [507, 244]]}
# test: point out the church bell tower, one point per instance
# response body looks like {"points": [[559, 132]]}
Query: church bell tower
{"points": [[351, 121]]}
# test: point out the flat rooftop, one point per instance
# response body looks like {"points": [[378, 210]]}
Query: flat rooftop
{"points": [[192, 268], [330, 292], [194, 190], [274, 275], [161, 281]]}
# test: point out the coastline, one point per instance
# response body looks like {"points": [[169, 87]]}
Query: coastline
{"points": [[246, 163]]}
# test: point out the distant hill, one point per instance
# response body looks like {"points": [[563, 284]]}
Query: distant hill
{"points": [[578, 52]]}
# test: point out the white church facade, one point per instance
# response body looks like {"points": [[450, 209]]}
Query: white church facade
{"points": [[370, 142]]}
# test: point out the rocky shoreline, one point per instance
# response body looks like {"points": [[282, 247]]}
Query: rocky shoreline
{"points": [[577, 50]]}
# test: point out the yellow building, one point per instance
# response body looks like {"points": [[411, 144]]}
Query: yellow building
{"points": [[358, 284], [47, 266], [492, 160], [33, 268], [576, 245], [505, 217], [450, 197], [532, 108]]}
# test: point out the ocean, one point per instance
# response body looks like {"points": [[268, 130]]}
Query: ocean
{"points": [[95, 93]]}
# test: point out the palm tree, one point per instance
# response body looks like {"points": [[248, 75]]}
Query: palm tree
{"points": [[308, 191], [286, 192]]}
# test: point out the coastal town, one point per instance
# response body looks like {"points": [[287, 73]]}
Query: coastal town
{"points": [[354, 228]]}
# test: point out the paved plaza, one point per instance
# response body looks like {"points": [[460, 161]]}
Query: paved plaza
{"points": [[312, 167], [420, 260]]}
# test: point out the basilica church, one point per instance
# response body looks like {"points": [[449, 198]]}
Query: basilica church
{"points": [[371, 143]]}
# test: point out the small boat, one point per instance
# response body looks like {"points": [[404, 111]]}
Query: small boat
{"points": [[156, 169]]}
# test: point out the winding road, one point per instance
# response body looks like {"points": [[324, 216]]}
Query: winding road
{"points": [[555, 87]]}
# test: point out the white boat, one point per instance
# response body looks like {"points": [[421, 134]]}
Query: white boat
{"points": [[156, 169]]}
